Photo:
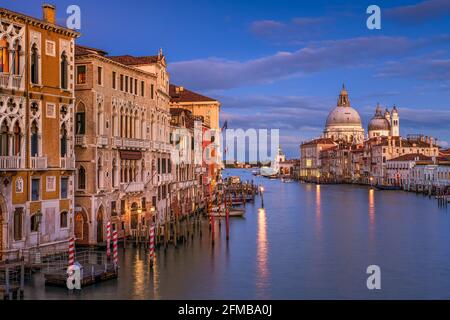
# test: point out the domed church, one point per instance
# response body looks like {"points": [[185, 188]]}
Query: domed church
{"points": [[343, 122], [384, 125]]}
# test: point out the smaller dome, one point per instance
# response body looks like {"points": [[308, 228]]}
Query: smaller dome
{"points": [[379, 122]]}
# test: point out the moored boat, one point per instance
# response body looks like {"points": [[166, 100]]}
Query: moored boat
{"points": [[385, 187]]}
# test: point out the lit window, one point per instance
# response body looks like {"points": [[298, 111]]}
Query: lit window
{"points": [[81, 74]]}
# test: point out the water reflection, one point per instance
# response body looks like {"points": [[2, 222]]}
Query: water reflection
{"points": [[318, 211], [139, 285], [261, 259], [156, 294], [372, 207]]}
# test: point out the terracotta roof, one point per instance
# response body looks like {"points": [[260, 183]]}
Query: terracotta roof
{"points": [[133, 61], [7, 12], [406, 143], [319, 141], [185, 95], [83, 50], [412, 157]]}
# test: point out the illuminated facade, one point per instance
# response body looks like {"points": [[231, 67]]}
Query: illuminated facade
{"points": [[122, 144], [36, 129], [209, 110]]}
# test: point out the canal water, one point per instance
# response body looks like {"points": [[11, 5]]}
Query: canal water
{"points": [[310, 242]]}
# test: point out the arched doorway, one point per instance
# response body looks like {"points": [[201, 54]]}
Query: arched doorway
{"points": [[81, 228], [100, 225], [134, 216]]}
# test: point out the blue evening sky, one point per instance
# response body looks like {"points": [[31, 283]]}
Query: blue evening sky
{"points": [[281, 64]]}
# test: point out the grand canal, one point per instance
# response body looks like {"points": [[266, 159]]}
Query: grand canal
{"points": [[310, 242]]}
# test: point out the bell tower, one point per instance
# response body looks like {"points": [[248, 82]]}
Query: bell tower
{"points": [[395, 122]]}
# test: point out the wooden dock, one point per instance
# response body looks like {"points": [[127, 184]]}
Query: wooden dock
{"points": [[91, 274], [95, 267]]}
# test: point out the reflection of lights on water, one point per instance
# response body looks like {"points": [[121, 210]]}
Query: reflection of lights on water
{"points": [[139, 284], [156, 279], [318, 209], [262, 250], [372, 206]]}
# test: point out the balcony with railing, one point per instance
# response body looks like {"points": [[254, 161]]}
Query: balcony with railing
{"points": [[102, 140], [10, 81], [68, 163], [164, 178], [132, 187], [131, 143], [11, 162], [80, 140], [38, 163], [4, 80]]}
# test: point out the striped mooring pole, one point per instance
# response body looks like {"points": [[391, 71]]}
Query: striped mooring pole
{"points": [[115, 253], [108, 239], [152, 245], [71, 251]]}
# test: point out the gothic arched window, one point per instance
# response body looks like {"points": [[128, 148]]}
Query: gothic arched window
{"points": [[34, 139], [63, 142], [81, 178], [16, 58], [4, 56], [64, 71], [80, 118], [17, 139], [4, 139], [34, 65]]}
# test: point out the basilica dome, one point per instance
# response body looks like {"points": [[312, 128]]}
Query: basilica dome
{"points": [[340, 116], [344, 122]]}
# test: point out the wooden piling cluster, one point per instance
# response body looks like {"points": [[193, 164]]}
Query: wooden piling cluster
{"points": [[176, 229], [241, 192]]}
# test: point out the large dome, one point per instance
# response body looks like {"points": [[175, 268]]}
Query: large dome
{"points": [[343, 116], [343, 122]]}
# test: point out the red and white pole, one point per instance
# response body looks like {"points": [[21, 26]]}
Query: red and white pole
{"points": [[115, 254], [71, 251], [108, 239], [152, 245]]}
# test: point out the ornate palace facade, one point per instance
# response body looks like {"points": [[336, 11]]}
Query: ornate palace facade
{"points": [[122, 143], [36, 132]]}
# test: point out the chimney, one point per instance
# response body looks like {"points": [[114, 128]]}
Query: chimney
{"points": [[49, 13], [431, 142]]}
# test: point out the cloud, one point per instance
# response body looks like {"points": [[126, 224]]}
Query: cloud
{"points": [[217, 73], [421, 12], [431, 67], [296, 30]]}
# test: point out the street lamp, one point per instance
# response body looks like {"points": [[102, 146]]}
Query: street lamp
{"points": [[371, 181], [38, 219]]}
